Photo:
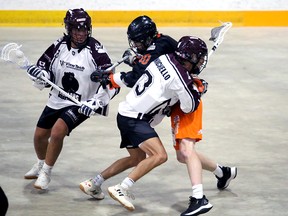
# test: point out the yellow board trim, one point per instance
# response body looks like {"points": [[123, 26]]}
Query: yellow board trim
{"points": [[49, 18]]}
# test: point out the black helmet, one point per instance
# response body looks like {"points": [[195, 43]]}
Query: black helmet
{"points": [[192, 49], [77, 18], [143, 30]]}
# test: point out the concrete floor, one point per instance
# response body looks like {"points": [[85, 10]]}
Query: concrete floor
{"points": [[245, 125]]}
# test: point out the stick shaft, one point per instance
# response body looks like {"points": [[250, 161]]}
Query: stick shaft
{"points": [[116, 64]]}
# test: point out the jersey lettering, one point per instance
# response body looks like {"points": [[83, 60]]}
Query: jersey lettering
{"points": [[164, 72]]}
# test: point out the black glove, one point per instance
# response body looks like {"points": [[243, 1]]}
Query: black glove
{"points": [[34, 71], [102, 77]]}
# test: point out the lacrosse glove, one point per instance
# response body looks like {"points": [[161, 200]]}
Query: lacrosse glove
{"points": [[36, 74], [201, 84], [131, 57], [34, 71], [89, 107], [105, 78]]}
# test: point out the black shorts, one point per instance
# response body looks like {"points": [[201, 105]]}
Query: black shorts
{"points": [[69, 115], [134, 131]]}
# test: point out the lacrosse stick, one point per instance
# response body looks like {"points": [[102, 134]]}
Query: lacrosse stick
{"points": [[217, 36], [12, 53], [116, 64]]}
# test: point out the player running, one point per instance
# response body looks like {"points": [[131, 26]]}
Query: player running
{"points": [[68, 62]]}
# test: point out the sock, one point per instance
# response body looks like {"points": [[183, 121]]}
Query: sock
{"points": [[98, 180], [40, 162], [127, 183], [46, 168], [218, 171], [197, 191]]}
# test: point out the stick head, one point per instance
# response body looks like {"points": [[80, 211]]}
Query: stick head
{"points": [[217, 33], [11, 52]]}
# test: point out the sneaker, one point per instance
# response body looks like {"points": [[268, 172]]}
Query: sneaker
{"points": [[34, 172], [228, 175], [43, 180], [197, 206], [121, 195], [89, 187]]}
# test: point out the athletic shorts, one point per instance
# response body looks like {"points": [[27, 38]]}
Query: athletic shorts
{"points": [[186, 125], [134, 131], [69, 115]]}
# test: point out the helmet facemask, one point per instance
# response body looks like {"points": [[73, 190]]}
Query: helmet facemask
{"points": [[140, 45], [199, 64], [140, 33]]}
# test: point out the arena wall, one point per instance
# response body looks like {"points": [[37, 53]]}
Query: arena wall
{"points": [[47, 13]]}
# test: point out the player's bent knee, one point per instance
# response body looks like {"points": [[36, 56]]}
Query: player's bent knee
{"points": [[162, 158]]}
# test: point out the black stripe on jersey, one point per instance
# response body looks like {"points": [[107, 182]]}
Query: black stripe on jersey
{"points": [[191, 94]]}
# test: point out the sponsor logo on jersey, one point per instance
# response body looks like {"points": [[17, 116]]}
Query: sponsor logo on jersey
{"points": [[72, 66], [164, 72]]}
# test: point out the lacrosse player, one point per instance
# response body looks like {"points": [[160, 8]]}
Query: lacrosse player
{"points": [[187, 130], [4, 204], [68, 62], [146, 44], [164, 83]]}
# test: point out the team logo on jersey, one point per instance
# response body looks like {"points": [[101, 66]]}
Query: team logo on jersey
{"points": [[41, 64], [70, 85], [100, 48], [151, 47]]}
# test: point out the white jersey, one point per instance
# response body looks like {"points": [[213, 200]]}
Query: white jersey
{"points": [[70, 69], [164, 83]]}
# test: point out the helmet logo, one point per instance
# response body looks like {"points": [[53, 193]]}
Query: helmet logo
{"points": [[81, 19]]}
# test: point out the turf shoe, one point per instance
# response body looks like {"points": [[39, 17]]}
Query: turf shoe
{"points": [[229, 173], [43, 180], [89, 188], [122, 195], [33, 173], [197, 206]]}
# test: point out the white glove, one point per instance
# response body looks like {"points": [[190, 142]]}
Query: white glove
{"points": [[131, 57], [89, 107]]}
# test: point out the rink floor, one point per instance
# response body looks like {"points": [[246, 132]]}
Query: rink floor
{"points": [[245, 125]]}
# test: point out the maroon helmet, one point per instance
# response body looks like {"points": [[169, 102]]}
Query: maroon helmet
{"points": [[192, 49], [77, 19]]}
